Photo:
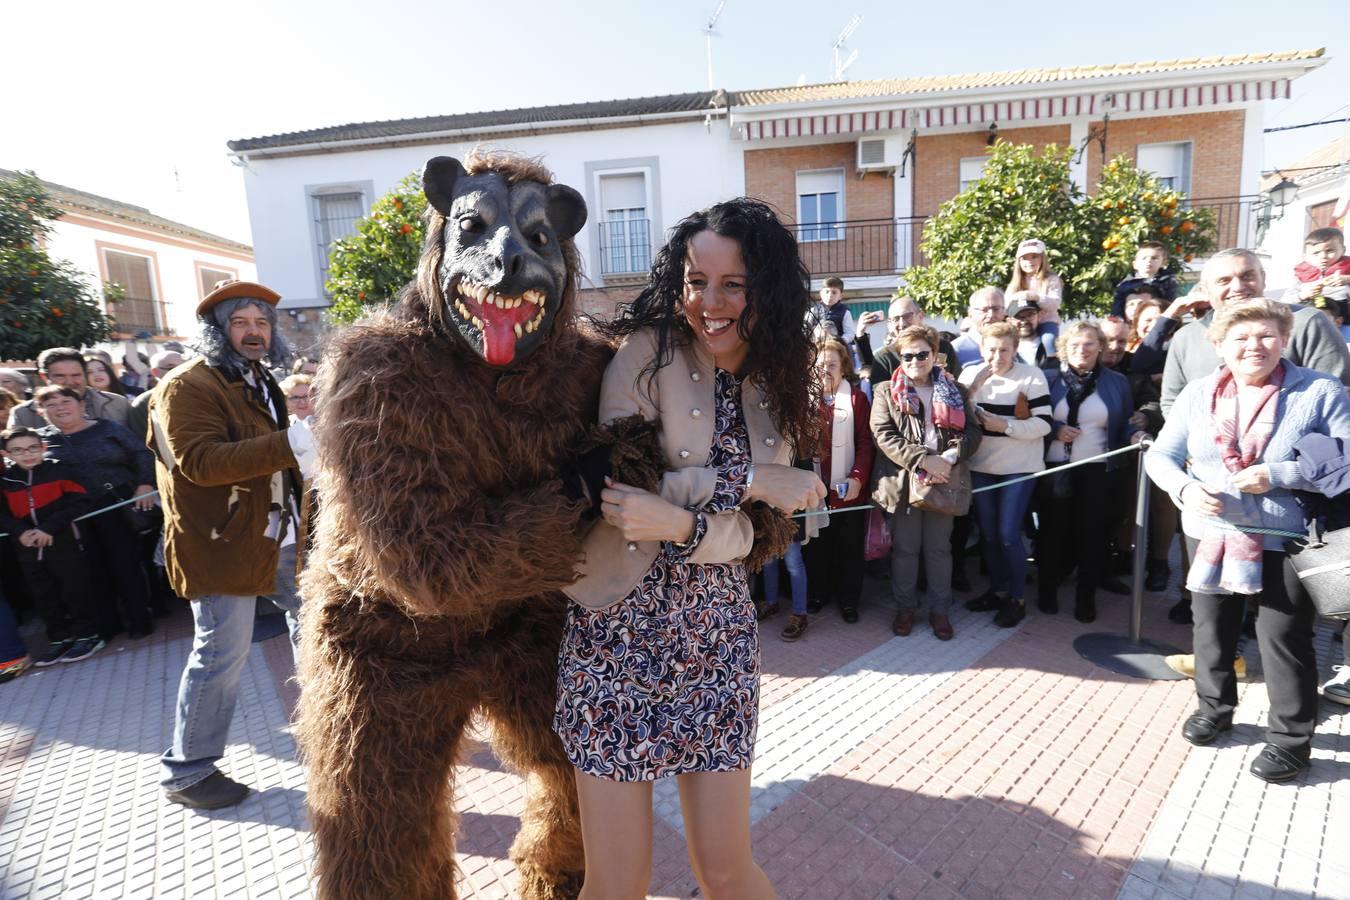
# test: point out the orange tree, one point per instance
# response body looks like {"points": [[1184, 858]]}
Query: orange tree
{"points": [[369, 267], [43, 302], [1090, 240]]}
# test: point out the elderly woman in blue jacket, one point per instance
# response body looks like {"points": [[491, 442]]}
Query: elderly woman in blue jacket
{"points": [[1091, 407], [1227, 458]]}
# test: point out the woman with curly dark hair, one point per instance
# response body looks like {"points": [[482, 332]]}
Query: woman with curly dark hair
{"points": [[659, 666]]}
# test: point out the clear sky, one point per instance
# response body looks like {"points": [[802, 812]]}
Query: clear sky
{"points": [[116, 98]]}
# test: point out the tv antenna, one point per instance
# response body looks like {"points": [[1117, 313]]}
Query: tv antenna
{"points": [[709, 34], [841, 63]]}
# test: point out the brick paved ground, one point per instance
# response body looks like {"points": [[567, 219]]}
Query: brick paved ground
{"points": [[999, 764]]}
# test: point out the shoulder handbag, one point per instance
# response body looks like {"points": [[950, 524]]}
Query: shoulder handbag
{"points": [[1322, 563], [950, 499]]}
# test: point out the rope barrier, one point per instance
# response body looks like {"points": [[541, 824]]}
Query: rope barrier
{"points": [[99, 512], [993, 487]]}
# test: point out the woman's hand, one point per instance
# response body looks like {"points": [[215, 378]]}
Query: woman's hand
{"points": [[144, 495], [938, 469], [786, 488], [1138, 421], [1252, 480], [993, 422], [854, 490], [1201, 499], [644, 516], [1067, 434]]}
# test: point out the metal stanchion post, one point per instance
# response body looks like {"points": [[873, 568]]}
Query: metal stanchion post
{"points": [[1132, 655]]}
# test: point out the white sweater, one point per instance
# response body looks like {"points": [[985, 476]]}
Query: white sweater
{"points": [[1022, 448]]}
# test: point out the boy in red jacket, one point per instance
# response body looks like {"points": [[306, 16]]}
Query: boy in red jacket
{"points": [[1324, 273], [41, 503]]}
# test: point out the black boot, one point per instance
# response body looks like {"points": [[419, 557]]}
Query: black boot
{"points": [[1010, 613], [986, 602], [1157, 574]]}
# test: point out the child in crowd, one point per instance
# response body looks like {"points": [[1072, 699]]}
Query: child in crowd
{"points": [[1150, 271], [1324, 275], [41, 502], [1033, 283], [831, 314]]}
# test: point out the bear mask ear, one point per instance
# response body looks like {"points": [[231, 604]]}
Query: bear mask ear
{"points": [[438, 182], [566, 211]]}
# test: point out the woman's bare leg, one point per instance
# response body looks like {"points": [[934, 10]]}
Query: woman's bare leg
{"points": [[716, 809], [616, 830]]}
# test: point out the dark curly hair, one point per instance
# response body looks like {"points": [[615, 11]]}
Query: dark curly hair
{"points": [[778, 298]]}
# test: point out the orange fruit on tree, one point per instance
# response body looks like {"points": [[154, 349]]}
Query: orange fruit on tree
{"points": [[1187, 227], [1166, 229], [1188, 257], [405, 228]]}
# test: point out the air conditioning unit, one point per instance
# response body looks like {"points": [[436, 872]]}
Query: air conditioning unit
{"points": [[872, 156]]}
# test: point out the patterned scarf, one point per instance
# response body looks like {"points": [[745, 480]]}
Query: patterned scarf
{"points": [[1080, 387], [949, 411], [1229, 561]]}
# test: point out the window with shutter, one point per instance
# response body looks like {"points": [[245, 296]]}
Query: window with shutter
{"points": [[137, 311], [208, 278], [820, 205], [625, 228]]}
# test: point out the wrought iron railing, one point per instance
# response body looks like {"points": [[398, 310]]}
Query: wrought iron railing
{"points": [[860, 246], [1239, 221], [625, 247]]}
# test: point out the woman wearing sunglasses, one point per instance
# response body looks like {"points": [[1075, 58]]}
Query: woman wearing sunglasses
{"points": [[925, 427]]}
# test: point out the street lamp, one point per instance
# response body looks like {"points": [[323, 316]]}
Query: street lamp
{"points": [[1283, 194]]}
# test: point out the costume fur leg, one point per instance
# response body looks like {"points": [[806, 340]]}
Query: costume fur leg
{"points": [[519, 701], [380, 737]]}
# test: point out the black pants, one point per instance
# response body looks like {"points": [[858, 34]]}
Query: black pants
{"points": [[1284, 632], [834, 560], [118, 549], [59, 583], [1073, 529]]}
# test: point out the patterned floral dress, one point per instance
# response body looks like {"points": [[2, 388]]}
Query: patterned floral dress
{"points": [[667, 681]]}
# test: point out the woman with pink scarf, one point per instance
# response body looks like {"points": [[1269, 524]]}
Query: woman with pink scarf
{"points": [[924, 427], [1226, 457]]}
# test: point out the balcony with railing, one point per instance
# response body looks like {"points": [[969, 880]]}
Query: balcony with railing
{"points": [[860, 246], [1238, 221]]}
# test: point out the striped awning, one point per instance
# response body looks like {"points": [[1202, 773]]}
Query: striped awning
{"points": [[1007, 111]]}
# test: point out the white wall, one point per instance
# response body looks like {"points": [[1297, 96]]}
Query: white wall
{"points": [[697, 166], [173, 263]]}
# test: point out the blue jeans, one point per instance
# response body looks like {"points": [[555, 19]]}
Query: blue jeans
{"points": [[796, 578], [210, 686], [1000, 514], [11, 645]]}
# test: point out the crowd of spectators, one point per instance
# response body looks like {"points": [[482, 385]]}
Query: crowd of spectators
{"points": [[973, 426], [927, 438], [75, 444]]}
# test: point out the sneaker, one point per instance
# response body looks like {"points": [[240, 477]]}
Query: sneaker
{"points": [[215, 791], [55, 651], [14, 668], [1337, 689], [1184, 664], [1181, 663], [765, 610], [1011, 613], [83, 649], [986, 602], [795, 628]]}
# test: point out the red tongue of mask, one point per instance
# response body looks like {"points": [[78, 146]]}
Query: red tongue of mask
{"points": [[499, 331]]}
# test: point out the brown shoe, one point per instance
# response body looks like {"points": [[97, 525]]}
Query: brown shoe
{"points": [[795, 628], [765, 610], [942, 626], [904, 622]]}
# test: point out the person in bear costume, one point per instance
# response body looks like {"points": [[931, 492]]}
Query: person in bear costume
{"points": [[459, 465]]}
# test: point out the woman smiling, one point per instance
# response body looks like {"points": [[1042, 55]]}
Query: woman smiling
{"points": [[1226, 457]]}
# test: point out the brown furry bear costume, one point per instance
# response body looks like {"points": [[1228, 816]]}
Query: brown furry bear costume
{"points": [[451, 436]]}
